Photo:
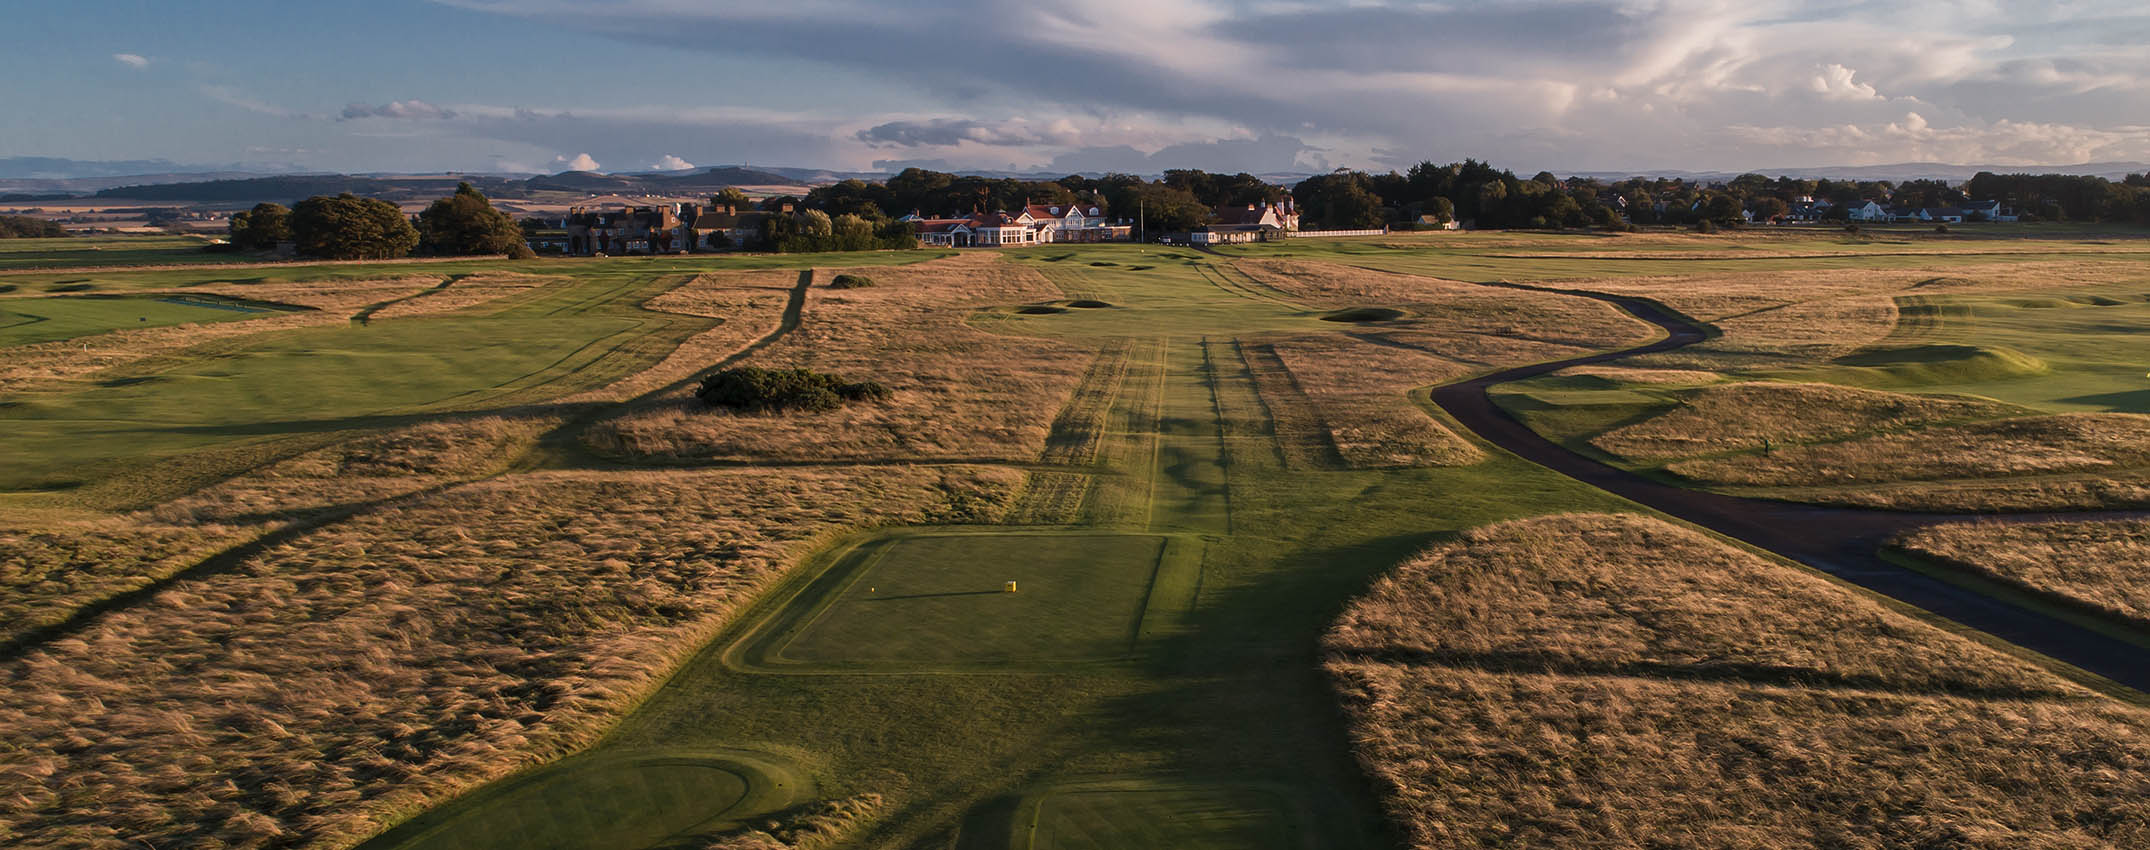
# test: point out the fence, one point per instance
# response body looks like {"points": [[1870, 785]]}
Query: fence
{"points": [[1302, 234]]}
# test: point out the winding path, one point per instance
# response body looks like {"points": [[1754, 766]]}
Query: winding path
{"points": [[1842, 542]]}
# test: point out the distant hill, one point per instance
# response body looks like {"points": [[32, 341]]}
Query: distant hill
{"points": [[291, 187], [287, 188], [1896, 173]]}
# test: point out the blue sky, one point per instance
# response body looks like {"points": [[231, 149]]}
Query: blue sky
{"points": [[1262, 85]]}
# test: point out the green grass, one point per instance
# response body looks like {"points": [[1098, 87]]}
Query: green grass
{"points": [[313, 381], [627, 801], [1556, 257], [939, 601], [30, 320], [2067, 351], [86, 251], [1160, 819]]}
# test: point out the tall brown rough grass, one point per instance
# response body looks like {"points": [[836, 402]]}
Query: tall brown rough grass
{"points": [[1604, 681], [2032, 445], [1358, 382], [1754, 415], [958, 392], [368, 668], [2104, 566]]}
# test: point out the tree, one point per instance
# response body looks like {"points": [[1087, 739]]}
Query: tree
{"points": [[1342, 200], [1771, 209], [1723, 209], [261, 228], [850, 226], [467, 223], [348, 227], [731, 196], [816, 223], [29, 227]]}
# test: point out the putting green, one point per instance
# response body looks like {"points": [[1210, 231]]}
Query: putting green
{"points": [[2062, 351], [941, 600], [618, 803], [31, 320], [1191, 818]]}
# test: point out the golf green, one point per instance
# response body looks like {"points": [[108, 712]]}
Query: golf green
{"points": [[616, 804], [944, 600]]}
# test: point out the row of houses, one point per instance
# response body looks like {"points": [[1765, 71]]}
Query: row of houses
{"points": [[601, 228], [1974, 211], [1040, 224], [1035, 224], [618, 226]]}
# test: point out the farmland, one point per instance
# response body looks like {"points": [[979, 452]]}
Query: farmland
{"points": [[1146, 547]]}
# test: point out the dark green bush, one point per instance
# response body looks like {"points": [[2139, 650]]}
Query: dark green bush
{"points": [[850, 281], [752, 388]]}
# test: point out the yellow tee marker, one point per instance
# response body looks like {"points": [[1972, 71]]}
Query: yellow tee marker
{"points": [[1010, 588]]}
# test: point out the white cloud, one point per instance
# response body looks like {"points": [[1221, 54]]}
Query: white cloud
{"points": [[581, 162], [1836, 82], [415, 110], [668, 163], [132, 60], [1576, 84]]}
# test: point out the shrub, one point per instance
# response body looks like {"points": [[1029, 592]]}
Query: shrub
{"points": [[520, 251], [850, 281], [1941, 228], [1705, 226], [752, 388]]}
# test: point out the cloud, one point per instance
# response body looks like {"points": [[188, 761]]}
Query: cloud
{"points": [[1576, 84], [581, 162], [1836, 82], [956, 131], [234, 96], [132, 60], [414, 110], [668, 163]]}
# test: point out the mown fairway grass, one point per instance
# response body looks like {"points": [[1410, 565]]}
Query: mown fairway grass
{"points": [[30, 320], [1222, 818], [933, 602], [1488, 257], [321, 380], [106, 251], [2061, 351]]}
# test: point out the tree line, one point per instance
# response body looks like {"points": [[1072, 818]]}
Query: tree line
{"points": [[1475, 192], [348, 227], [29, 227], [1180, 200]]}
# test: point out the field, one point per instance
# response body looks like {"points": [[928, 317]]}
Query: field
{"points": [[1615, 681], [442, 555]]}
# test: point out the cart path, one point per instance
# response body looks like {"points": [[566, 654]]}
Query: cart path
{"points": [[1843, 542]]}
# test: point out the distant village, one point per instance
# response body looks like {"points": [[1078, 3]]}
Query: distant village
{"points": [[618, 226]]}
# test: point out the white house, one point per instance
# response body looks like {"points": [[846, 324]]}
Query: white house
{"points": [[983, 230], [1868, 211]]}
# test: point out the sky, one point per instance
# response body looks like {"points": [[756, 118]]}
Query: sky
{"points": [[1076, 85]]}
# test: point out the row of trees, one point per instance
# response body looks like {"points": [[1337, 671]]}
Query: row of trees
{"points": [[29, 227], [1464, 191], [814, 230], [348, 227], [1476, 192]]}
